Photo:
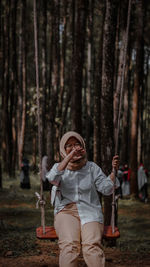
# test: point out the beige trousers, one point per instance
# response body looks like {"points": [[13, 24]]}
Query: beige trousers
{"points": [[71, 235]]}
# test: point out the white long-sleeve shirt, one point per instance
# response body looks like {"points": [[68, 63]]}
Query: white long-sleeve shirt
{"points": [[81, 187]]}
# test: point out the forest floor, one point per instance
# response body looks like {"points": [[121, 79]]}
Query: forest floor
{"points": [[19, 219]]}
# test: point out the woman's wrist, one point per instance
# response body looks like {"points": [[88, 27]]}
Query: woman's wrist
{"points": [[63, 164], [68, 158]]}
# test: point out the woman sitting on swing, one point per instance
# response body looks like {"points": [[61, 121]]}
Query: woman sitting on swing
{"points": [[78, 212]]}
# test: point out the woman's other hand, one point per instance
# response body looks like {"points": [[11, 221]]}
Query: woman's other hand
{"points": [[115, 162], [115, 166]]}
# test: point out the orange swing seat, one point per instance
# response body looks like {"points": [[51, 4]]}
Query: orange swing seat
{"points": [[108, 233], [50, 232]]}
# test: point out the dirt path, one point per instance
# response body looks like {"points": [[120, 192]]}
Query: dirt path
{"points": [[48, 256]]}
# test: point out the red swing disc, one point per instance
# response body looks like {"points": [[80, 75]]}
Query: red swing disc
{"points": [[108, 234], [50, 232]]}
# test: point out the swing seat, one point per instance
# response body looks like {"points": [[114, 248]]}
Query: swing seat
{"points": [[108, 234], [50, 232]]}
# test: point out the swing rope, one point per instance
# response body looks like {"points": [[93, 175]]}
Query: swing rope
{"points": [[120, 109], [39, 196]]}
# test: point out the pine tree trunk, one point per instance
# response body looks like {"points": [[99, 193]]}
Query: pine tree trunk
{"points": [[1, 175], [124, 152], [55, 80], [97, 101], [5, 88], [44, 75], [118, 84], [78, 61], [107, 141], [14, 89], [22, 85], [34, 150], [136, 97], [63, 48], [146, 120], [2, 77], [88, 91]]}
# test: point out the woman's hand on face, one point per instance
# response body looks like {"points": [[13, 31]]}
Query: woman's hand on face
{"points": [[76, 154]]}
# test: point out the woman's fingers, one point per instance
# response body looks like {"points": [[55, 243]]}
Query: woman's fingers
{"points": [[115, 162], [76, 153]]}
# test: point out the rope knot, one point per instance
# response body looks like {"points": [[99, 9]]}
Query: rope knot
{"points": [[40, 201]]}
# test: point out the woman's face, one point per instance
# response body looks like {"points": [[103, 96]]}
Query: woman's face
{"points": [[71, 144]]}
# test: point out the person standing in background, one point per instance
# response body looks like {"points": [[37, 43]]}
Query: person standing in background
{"points": [[24, 175], [142, 183], [126, 181]]}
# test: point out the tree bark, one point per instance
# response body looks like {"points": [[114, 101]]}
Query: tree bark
{"points": [[63, 74], [55, 82], [124, 144], [78, 61], [44, 75], [145, 147], [14, 89], [22, 85], [5, 88], [88, 82], [1, 175], [136, 98], [34, 150], [107, 141], [97, 99]]}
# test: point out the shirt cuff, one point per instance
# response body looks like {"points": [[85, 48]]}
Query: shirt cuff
{"points": [[117, 183]]}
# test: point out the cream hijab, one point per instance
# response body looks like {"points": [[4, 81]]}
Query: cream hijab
{"points": [[78, 164]]}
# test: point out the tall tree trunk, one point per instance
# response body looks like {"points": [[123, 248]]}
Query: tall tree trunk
{"points": [[135, 99], [118, 83], [145, 146], [38, 114], [49, 140], [118, 96], [77, 68], [68, 76], [5, 88], [1, 82], [1, 175], [143, 96], [124, 153], [88, 117], [63, 47], [97, 99], [11, 97], [34, 149], [2, 76], [117, 52], [22, 85], [55, 82], [14, 89], [44, 74], [107, 141]]}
